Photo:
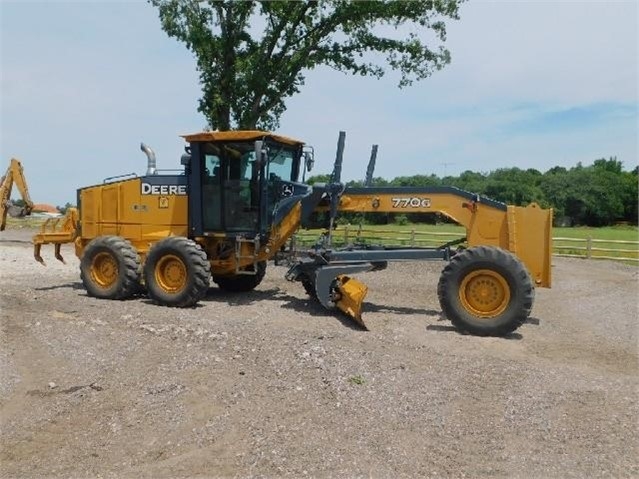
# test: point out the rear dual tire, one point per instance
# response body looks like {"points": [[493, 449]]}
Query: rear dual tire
{"points": [[177, 272], [110, 268]]}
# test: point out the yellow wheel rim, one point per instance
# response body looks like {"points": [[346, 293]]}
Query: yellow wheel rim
{"points": [[484, 293], [170, 273], [104, 270]]}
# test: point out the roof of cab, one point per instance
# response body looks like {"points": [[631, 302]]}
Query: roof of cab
{"points": [[239, 135]]}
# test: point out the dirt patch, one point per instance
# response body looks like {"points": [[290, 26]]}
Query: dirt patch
{"points": [[270, 384]]}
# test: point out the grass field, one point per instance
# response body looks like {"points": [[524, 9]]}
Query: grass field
{"points": [[615, 233]]}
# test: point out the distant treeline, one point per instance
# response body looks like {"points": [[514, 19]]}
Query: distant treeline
{"points": [[601, 194]]}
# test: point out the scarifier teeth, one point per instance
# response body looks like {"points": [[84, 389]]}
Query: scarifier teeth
{"points": [[37, 256], [58, 256]]}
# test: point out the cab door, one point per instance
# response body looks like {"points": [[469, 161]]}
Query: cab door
{"points": [[212, 193], [240, 186]]}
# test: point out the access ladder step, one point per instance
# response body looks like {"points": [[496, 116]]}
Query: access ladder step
{"points": [[239, 241]]}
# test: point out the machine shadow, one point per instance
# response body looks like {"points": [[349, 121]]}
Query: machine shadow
{"points": [[306, 305], [452, 329], [384, 308], [76, 285], [303, 305]]}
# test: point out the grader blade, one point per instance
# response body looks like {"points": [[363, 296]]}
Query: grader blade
{"points": [[333, 288], [351, 294]]}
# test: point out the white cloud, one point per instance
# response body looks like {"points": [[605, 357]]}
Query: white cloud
{"points": [[511, 61], [79, 96]]}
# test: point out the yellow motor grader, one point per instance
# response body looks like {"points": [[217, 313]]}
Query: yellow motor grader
{"points": [[241, 197]]}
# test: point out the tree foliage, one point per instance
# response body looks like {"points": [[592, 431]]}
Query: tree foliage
{"points": [[253, 55], [65, 208]]}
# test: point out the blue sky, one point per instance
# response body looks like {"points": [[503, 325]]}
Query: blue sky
{"points": [[531, 84]]}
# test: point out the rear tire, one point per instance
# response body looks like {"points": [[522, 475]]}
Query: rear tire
{"points": [[242, 283], [176, 272], [486, 291], [110, 268]]}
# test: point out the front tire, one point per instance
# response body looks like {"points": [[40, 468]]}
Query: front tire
{"points": [[486, 291], [177, 272], [309, 287], [110, 268]]}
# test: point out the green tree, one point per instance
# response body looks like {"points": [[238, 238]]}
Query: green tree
{"points": [[555, 186], [379, 181], [247, 72], [416, 180], [514, 186], [613, 165], [630, 196], [318, 179], [63, 209], [596, 195], [470, 181]]}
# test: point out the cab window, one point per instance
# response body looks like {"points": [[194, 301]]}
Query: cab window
{"points": [[280, 165]]}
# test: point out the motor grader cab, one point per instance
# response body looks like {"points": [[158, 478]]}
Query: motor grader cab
{"points": [[13, 176], [238, 202]]}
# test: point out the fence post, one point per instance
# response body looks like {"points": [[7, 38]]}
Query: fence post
{"points": [[346, 234], [412, 237], [589, 247], [359, 232]]}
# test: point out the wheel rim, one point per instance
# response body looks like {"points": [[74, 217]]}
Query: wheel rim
{"points": [[485, 293], [104, 270], [170, 273]]}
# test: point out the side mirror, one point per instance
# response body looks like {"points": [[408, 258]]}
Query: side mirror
{"points": [[261, 153], [309, 160], [185, 159]]}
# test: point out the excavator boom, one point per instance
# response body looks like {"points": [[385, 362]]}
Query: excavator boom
{"points": [[13, 175]]}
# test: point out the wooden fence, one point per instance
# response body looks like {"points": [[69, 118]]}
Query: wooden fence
{"points": [[596, 248], [572, 247]]}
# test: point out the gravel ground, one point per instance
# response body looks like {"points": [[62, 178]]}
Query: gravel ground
{"points": [[269, 384]]}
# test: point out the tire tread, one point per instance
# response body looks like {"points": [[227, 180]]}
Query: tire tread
{"points": [[128, 260], [197, 264], [486, 257]]}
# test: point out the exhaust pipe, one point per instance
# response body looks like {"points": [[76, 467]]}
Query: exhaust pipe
{"points": [[150, 154]]}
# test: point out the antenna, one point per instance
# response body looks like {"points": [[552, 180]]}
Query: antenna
{"points": [[335, 187], [446, 164]]}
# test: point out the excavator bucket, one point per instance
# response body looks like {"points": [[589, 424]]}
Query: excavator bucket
{"points": [[352, 294], [16, 211]]}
